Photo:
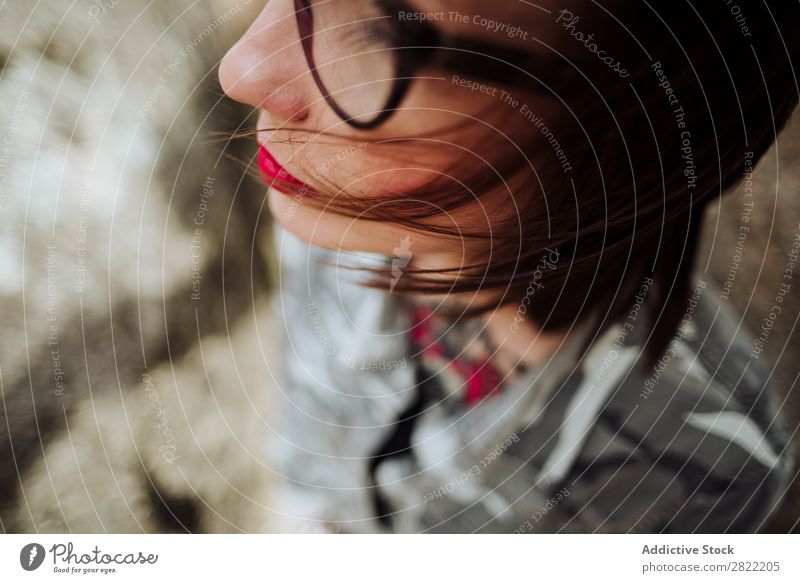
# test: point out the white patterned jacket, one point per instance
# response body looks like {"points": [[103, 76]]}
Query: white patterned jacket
{"points": [[592, 444]]}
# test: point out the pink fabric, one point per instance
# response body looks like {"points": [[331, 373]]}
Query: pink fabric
{"points": [[477, 379]]}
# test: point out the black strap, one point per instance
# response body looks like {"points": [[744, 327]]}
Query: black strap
{"points": [[397, 443]]}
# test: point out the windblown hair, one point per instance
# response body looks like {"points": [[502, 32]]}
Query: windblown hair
{"points": [[616, 181]]}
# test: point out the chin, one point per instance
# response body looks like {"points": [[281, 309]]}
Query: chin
{"points": [[288, 211], [329, 230]]}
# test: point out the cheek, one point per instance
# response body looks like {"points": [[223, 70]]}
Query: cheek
{"points": [[365, 169]]}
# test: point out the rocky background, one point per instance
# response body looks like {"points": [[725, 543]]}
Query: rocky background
{"points": [[136, 354]]}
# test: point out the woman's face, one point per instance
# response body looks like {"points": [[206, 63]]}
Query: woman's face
{"points": [[267, 69]]}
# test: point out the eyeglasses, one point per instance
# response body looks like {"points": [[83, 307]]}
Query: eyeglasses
{"points": [[363, 55]]}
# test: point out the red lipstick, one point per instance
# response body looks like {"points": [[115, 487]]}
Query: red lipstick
{"points": [[276, 175]]}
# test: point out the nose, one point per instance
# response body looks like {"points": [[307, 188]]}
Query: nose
{"points": [[266, 68]]}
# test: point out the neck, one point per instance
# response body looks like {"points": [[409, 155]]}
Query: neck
{"points": [[517, 343], [520, 342]]}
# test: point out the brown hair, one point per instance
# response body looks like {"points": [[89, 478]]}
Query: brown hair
{"points": [[616, 181]]}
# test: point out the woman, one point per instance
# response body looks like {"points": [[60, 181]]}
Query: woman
{"points": [[487, 222]]}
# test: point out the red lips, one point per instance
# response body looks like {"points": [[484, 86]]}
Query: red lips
{"points": [[276, 175]]}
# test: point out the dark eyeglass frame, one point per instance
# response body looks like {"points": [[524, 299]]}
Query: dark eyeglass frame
{"points": [[424, 44]]}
